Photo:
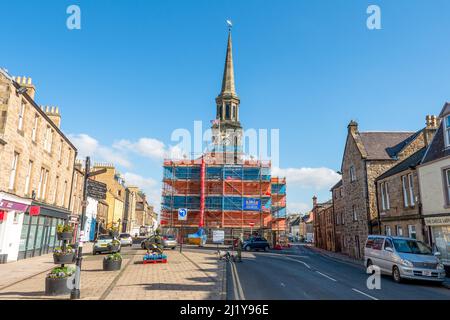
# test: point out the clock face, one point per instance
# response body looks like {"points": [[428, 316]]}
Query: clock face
{"points": [[226, 141]]}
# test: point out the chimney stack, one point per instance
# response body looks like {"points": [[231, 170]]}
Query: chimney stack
{"points": [[53, 114], [352, 127], [432, 124], [314, 201], [27, 83]]}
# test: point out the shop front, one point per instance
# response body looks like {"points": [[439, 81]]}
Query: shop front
{"points": [[12, 212], [440, 235], [38, 235]]}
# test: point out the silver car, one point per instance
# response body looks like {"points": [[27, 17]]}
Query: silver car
{"points": [[403, 258], [169, 241], [125, 239]]}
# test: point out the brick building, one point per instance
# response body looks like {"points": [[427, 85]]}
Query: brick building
{"points": [[366, 156], [36, 171]]}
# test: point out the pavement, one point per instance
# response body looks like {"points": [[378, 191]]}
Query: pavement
{"points": [[303, 273], [192, 275]]}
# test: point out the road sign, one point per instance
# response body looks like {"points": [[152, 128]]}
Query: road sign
{"points": [[96, 190], [182, 214], [251, 224], [218, 236]]}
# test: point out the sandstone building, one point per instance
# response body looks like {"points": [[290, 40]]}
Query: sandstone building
{"points": [[366, 156], [36, 171]]}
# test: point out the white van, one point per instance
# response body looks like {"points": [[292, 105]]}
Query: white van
{"points": [[403, 258]]}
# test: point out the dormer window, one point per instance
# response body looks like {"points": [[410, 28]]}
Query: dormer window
{"points": [[447, 131]]}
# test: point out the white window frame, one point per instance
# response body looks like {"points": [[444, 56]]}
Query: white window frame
{"points": [[41, 179], [405, 191], [60, 150], [447, 183], [55, 194], [411, 190], [13, 172], [21, 116], [28, 177], [354, 213], [63, 200], [399, 230], [387, 230], [352, 173], [447, 131], [35, 128], [44, 187], [411, 231], [385, 200]]}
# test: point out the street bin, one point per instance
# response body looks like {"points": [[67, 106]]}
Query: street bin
{"points": [[3, 258]]}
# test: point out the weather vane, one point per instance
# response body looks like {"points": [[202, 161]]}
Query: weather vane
{"points": [[230, 25]]}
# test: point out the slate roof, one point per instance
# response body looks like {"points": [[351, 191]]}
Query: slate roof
{"points": [[386, 145], [437, 149], [411, 161], [337, 185]]}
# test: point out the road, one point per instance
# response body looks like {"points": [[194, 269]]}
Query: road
{"points": [[305, 274]]}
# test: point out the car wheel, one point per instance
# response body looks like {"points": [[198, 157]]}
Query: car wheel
{"points": [[173, 248], [247, 248], [396, 274]]}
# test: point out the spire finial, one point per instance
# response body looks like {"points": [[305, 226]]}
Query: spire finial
{"points": [[228, 73], [229, 24]]}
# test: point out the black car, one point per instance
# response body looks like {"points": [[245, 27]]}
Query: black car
{"points": [[256, 243]]}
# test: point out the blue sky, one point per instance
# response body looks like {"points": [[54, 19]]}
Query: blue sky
{"points": [[137, 70]]}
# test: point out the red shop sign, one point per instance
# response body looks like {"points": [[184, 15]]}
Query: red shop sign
{"points": [[2, 215], [35, 210]]}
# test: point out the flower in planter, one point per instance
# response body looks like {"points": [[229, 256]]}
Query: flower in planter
{"points": [[64, 228], [61, 272], [114, 257], [58, 251]]}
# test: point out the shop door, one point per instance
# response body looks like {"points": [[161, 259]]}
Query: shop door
{"points": [[46, 237]]}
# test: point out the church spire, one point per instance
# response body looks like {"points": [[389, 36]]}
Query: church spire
{"points": [[228, 87]]}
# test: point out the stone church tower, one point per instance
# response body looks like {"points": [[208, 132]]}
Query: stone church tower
{"points": [[227, 130]]}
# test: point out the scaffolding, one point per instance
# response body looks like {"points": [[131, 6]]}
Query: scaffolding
{"points": [[236, 196]]}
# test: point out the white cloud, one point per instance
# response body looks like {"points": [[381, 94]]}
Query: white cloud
{"points": [[316, 178], [150, 148], [89, 146], [298, 207]]}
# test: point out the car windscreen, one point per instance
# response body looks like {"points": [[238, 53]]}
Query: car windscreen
{"points": [[125, 235], [105, 237], [411, 246], [169, 237]]}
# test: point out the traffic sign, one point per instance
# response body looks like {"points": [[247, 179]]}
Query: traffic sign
{"points": [[182, 214], [252, 224], [96, 189]]}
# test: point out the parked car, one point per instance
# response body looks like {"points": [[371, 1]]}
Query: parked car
{"points": [[169, 241], [403, 258], [104, 243], [125, 239], [255, 243]]}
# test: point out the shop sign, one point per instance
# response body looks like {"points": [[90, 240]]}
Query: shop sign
{"points": [[2, 215], [35, 210], [437, 221], [11, 205], [74, 218], [252, 204]]}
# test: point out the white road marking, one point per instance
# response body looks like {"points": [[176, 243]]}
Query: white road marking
{"points": [[299, 261], [326, 276], [365, 294], [236, 293], [237, 282]]}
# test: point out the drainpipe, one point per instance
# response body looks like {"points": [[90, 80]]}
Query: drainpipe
{"points": [[378, 208]]}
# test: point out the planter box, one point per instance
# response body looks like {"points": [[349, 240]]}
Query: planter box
{"points": [[63, 259], [111, 265], [65, 235], [56, 287]]}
